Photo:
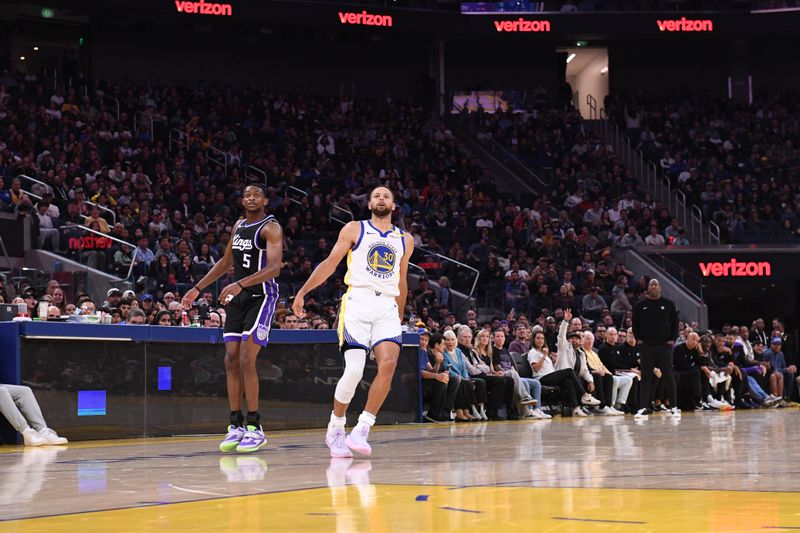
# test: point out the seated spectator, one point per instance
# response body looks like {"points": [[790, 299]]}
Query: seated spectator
{"points": [[136, 317], [163, 318], [774, 356], [499, 388], [471, 396], [19, 406], [611, 390], [437, 386]]}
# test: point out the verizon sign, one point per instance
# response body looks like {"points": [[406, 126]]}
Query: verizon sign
{"points": [[203, 8], [522, 26], [365, 19], [685, 25], [734, 269]]}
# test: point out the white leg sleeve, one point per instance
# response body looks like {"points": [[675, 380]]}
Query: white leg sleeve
{"points": [[354, 361]]}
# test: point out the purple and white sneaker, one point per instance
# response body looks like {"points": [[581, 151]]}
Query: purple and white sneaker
{"points": [[232, 439], [357, 440], [252, 441], [334, 438]]}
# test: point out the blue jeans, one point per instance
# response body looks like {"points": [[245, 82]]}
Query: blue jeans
{"points": [[755, 389], [534, 389]]}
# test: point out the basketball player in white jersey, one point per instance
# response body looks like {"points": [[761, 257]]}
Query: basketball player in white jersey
{"points": [[370, 315]]}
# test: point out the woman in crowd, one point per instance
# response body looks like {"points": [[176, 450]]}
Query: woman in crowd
{"points": [[471, 393]]}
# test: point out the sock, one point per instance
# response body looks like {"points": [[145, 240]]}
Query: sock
{"points": [[367, 418], [337, 421], [254, 419], [237, 419]]}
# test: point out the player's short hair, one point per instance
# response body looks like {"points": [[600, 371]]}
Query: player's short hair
{"points": [[258, 186], [382, 187]]}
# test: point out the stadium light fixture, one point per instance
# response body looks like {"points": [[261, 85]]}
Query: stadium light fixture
{"points": [[571, 57], [35, 48], [22, 58]]}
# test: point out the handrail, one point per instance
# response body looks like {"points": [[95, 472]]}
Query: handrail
{"points": [[459, 263], [47, 186], [252, 168], [103, 96], [294, 189], [29, 193], [152, 118], [100, 207], [335, 207], [114, 239], [591, 101], [181, 136], [500, 153], [222, 158], [5, 254]]}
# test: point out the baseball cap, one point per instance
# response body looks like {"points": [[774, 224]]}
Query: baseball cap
{"points": [[147, 296], [573, 334], [777, 340], [424, 332], [112, 290], [129, 294]]}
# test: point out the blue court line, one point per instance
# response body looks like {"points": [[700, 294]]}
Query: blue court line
{"points": [[421, 498], [596, 520], [447, 508]]}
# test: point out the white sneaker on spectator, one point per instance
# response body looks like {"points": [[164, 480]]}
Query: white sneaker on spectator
{"points": [[588, 399], [642, 414], [578, 412], [474, 412], [674, 413], [31, 437], [713, 402], [52, 437], [615, 412], [538, 414], [483, 415]]}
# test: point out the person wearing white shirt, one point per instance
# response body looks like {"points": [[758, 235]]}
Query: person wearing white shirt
{"points": [[47, 230], [655, 238]]}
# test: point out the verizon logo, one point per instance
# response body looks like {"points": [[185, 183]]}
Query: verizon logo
{"points": [[365, 19], [522, 25], [734, 268], [684, 24], [203, 8]]}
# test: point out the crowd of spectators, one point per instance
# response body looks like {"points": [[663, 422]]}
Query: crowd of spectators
{"points": [[576, 367], [738, 162], [174, 206]]}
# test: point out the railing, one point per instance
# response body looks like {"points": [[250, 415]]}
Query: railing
{"points": [[147, 117], [101, 208], [175, 136], [46, 186], [692, 282], [252, 169], [475, 271], [113, 239], [5, 255], [689, 216], [333, 215], [104, 97], [291, 189], [215, 155], [501, 154]]}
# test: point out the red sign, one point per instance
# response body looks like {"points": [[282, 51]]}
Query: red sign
{"points": [[90, 242], [522, 25], [683, 25], [734, 268], [203, 8], [365, 19]]}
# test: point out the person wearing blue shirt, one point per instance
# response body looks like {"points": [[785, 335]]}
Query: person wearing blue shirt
{"points": [[774, 356], [437, 386], [471, 394]]}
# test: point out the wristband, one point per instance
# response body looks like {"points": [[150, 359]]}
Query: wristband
{"points": [[239, 283]]}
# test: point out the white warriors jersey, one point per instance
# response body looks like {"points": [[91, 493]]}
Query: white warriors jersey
{"points": [[374, 262]]}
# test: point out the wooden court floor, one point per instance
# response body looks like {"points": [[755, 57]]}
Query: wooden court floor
{"points": [[707, 472]]}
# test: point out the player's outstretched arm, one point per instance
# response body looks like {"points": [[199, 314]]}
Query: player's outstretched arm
{"points": [[401, 299], [272, 234], [216, 272], [348, 237]]}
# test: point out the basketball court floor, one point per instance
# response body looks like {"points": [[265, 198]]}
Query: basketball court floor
{"points": [[707, 472]]}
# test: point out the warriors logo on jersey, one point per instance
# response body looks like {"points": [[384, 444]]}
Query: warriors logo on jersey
{"points": [[381, 260]]}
